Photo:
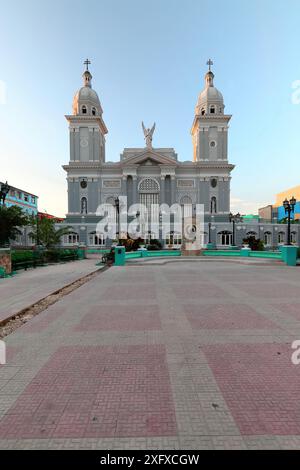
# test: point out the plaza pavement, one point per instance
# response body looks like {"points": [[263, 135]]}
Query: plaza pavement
{"points": [[28, 287], [176, 355]]}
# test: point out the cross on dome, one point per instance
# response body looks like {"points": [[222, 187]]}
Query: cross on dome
{"points": [[87, 62], [209, 63]]}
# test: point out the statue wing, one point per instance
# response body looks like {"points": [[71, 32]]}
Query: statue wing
{"points": [[153, 129], [144, 129]]}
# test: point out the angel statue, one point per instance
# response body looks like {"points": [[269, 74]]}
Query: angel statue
{"points": [[148, 133]]}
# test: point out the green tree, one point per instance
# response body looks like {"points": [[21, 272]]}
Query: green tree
{"points": [[11, 220], [254, 243], [285, 221], [45, 233]]}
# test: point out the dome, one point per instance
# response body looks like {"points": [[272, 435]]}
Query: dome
{"points": [[86, 100], [210, 100]]}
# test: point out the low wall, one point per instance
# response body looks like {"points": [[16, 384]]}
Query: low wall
{"points": [[151, 254], [279, 255], [5, 260]]}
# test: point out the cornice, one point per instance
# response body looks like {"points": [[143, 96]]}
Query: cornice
{"points": [[82, 118], [118, 165], [208, 117]]}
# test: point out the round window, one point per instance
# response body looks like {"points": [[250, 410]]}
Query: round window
{"points": [[83, 184], [213, 143], [214, 182]]}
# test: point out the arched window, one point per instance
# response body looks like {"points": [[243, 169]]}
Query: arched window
{"points": [[212, 109], [94, 111], [149, 185], [202, 111], [186, 206], [225, 238], [293, 237], [83, 109], [71, 238], [83, 208], [149, 198], [173, 240], [213, 205], [251, 234], [281, 238], [268, 238], [96, 239]]}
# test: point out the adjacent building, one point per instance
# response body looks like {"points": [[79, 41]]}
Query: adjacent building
{"points": [[288, 194], [28, 202]]}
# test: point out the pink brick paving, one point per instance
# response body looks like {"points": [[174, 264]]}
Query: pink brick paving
{"points": [[121, 318], [131, 291], [45, 319], [223, 316], [94, 392], [197, 290], [181, 355], [268, 290], [292, 309], [260, 385]]}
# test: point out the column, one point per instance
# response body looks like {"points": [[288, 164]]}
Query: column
{"points": [[124, 186], [220, 150], [206, 146], [225, 143], [72, 145], [135, 198], [77, 145], [173, 189], [162, 189], [91, 145]]}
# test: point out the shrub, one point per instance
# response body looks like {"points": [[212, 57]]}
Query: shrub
{"points": [[154, 247], [156, 243], [254, 243]]}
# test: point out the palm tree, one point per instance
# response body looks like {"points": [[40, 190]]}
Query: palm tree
{"points": [[45, 233]]}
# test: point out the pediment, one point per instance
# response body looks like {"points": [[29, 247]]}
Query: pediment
{"points": [[149, 157]]}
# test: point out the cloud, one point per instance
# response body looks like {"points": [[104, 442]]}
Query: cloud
{"points": [[245, 207]]}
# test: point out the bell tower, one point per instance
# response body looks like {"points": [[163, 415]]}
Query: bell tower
{"points": [[86, 126], [210, 127]]}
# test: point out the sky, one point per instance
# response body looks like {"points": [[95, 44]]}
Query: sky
{"points": [[148, 63]]}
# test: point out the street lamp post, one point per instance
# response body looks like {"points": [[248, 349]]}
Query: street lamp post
{"points": [[289, 207], [3, 192], [234, 219], [117, 204], [210, 245]]}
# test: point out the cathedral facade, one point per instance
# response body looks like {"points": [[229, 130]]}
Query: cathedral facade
{"points": [[152, 175]]}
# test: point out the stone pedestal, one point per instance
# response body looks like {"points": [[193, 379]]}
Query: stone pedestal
{"points": [[5, 260], [289, 254]]}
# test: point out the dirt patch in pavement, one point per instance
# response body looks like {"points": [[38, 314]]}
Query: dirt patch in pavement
{"points": [[9, 325]]}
